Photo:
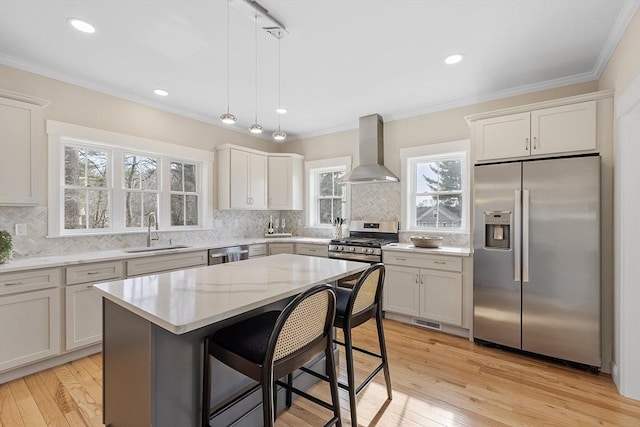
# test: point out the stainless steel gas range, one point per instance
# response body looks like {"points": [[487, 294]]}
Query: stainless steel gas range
{"points": [[365, 241]]}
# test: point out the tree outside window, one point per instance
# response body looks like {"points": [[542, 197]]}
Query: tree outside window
{"points": [[140, 182], [438, 194], [330, 199], [184, 197], [86, 188]]}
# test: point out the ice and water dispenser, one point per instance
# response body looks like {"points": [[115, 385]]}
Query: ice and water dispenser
{"points": [[497, 229]]}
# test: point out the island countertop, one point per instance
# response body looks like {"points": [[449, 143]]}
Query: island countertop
{"points": [[183, 301]]}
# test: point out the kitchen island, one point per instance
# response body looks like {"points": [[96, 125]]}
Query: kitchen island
{"points": [[154, 326]]}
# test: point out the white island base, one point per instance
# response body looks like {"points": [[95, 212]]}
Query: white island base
{"points": [[154, 328]]}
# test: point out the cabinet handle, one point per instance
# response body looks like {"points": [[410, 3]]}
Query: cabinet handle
{"points": [[15, 283], [92, 272], [440, 262], [526, 144], [400, 259], [421, 279], [417, 278], [311, 250], [89, 286], [535, 142]]}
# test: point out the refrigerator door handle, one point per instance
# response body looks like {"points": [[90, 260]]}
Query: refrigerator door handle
{"points": [[517, 220], [525, 236]]}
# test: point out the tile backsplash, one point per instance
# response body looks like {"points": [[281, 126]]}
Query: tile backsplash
{"points": [[376, 202], [227, 225]]}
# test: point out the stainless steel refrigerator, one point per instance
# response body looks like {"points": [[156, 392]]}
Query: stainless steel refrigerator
{"points": [[537, 257]]}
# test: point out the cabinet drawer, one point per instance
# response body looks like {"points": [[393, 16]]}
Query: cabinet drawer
{"points": [[436, 262], [11, 283], [95, 272], [158, 263], [257, 250], [313, 250]]}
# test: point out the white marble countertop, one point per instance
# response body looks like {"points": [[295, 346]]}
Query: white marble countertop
{"points": [[443, 250], [27, 263], [183, 301]]}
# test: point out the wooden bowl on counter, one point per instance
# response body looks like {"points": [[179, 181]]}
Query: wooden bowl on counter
{"points": [[427, 241]]}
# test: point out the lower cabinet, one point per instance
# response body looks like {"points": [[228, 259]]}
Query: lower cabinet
{"points": [[425, 286], [258, 250], [29, 327], [280, 248], [83, 316]]}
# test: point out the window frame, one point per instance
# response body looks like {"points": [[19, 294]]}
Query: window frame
{"points": [[61, 134], [410, 158], [313, 169]]}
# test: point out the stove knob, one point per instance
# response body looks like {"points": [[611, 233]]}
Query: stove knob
{"points": [[340, 248], [352, 249], [369, 251]]}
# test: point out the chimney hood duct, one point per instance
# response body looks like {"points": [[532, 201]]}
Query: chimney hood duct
{"points": [[371, 148]]}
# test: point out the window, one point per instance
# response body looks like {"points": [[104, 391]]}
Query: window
{"points": [[106, 187], [327, 199], [435, 188]]}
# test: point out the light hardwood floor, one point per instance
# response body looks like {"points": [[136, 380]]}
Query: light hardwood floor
{"points": [[438, 380]]}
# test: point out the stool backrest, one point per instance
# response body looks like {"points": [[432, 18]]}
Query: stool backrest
{"points": [[368, 289], [305, 320]]}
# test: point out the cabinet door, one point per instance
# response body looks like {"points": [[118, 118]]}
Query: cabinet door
{"points": [[401, 290], [258, 181], [19, 131], [29, 327], [441, 296], [239, 176], [280, 248], [564, 129], [279, 182], [83, 313], [502, 137]]}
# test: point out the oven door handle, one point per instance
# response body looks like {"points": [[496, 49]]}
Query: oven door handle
{"points": [[354, 257]]}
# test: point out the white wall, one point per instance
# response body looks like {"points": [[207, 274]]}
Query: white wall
{"points": [[623, 74]]}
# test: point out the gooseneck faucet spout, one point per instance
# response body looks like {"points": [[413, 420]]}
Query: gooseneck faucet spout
{"points": [[155, 220]]}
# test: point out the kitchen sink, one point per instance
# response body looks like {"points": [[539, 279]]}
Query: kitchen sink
{"points": [[155, 249]]}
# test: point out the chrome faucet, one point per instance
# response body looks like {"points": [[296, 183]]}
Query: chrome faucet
{"points": [[155, 220]]}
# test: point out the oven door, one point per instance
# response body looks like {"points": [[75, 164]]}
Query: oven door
{"points": [[350, 281]]}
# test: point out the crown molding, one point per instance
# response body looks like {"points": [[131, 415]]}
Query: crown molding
{"points": [[625, 16]]}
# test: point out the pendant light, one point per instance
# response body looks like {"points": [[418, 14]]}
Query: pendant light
{"points": [[228, 118], [255, 127], [279, 135]]}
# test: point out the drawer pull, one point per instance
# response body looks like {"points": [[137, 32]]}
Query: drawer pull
{"points": [[311, 250], [400, 259], [89, 286], [440, 262], [93, 272], [15, 283]]}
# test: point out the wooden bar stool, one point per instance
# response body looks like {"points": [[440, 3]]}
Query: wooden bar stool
{"points": [[353, 308], [272, 345]]}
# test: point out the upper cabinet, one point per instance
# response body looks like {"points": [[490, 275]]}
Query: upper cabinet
{"points": [[242, 179], [21, 132], [251, 179], [566, 125], [285, 182]]}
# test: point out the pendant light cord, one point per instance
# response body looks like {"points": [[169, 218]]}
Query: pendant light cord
{"points": [[228, 56], [255, 30], [279, 79]]}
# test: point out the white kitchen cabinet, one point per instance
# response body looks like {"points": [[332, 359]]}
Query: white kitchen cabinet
{"points": [[167, 262], [312, 249], [21, 130], [280, 248], [29, 317], [286, 182], [425, 286], [83, 316], [402, 290], [83, 305], [258, 250], [242, 179], [561, 129]]}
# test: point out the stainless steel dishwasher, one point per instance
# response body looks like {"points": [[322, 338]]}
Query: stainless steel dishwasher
{"points": [[228, 254]]}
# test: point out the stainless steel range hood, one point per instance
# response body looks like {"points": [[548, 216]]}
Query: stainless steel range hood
{"points": [[371, 147]]}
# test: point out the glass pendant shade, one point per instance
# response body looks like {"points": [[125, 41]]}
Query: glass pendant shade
{"points": [[279, 135], [255, 128], [228, 118]]}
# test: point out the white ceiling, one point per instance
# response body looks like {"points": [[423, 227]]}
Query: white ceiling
{"points": [[341, 60]]}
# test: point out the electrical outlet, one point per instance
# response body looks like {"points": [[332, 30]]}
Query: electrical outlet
{"points": [[21, 229]]}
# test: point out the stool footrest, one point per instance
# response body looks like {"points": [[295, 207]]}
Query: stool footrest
{"points": [[305, 395], [361, 350]]}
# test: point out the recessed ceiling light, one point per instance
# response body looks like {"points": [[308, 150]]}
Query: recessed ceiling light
{"points": [[82, 25], [161, 92], [281, 110], [453, 59]]}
